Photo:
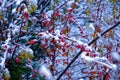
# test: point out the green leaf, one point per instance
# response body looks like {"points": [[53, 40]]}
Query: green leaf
{"points": [[76, 0], [88, 1], [112, 1], [56, 1], [87, 12], [25, 28]]}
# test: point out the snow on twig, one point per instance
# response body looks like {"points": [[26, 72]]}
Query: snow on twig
{"points": [[2, 64], [101, 60], [6, 45]]}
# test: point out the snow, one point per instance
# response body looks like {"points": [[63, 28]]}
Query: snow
{"points": [[115, 56], [2, 63], [69, 3], [91, 25], [101, 60], [29, 50], [49, 14], [16, 30], [13, 10], [33, 2], [45, 72], [81, 21], [3, 4], [18, 2], [57, 32]]}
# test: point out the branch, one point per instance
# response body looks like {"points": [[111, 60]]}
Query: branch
{"points": [[45, 6], [73, 60], [103, 33]]}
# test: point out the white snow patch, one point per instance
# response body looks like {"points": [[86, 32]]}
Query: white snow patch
{"points": [[69, 3], [49, 13], [29, 50], [18, 2], [92, 26], [45, 72], [33, 2], [101, 60], [115, 56]]}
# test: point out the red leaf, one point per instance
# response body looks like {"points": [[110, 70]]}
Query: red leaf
{"points": [[107, 76], [63, 49], [93, 55], [46, 40], [56, 13], [34, 76], [82, 48], [47, 23], [62, 40], [87, 54], [97, 28], [65, 54], [43, 15], [17, 60], [50, 30], [70, 16], [69, 10], [53, 41], [50, 55], [43, 46], [65, 62], [74, 6], [32, 42], [26, 15], [93, 72], [39, 34], [78, 46], [4, 47]]}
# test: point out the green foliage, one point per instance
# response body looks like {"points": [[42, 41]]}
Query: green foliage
{"points": [[17, 69]]}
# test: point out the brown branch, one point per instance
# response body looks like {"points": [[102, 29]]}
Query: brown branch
{"points": [[73, 60]]}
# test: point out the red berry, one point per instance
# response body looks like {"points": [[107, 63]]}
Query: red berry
{"points": [[17, 60]]}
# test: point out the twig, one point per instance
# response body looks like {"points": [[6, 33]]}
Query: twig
{"points": [[45, 6]]}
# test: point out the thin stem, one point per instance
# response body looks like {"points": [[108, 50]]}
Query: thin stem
{"points": [[73, 60]]}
